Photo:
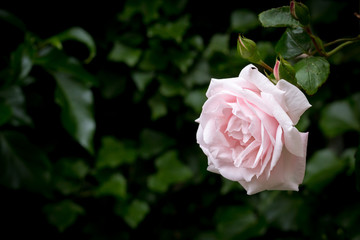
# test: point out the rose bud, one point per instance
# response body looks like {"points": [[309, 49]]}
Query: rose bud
{"points": [[284, 70], [300, 12], [247, 131], [248, 50]]}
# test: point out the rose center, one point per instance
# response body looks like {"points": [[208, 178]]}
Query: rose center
{"points": [[237, 131]]}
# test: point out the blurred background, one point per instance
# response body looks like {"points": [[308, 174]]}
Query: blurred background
{"points": [[97, 131]]}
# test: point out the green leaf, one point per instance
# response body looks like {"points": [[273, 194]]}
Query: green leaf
{"points": [[293, 42], [125, 54], [278, 17], [114, 186], [135, 213], [321, 169], [72, 168], [53, 59], [14, 100], [238, 222], [199, 75], [197, 42], [218, 43], [357, 168], [337, 118], [170, 171], [311, 73], [63, 214], [153, 143], [76, 102], [114, 153], [5, 113], [282, 209], [77, 34], [243, 20], [22, 61], [183, 59], [22, 164], [142, 79], [154, 59], [169, 87], [195, 99], [157, 106], [170, 30], [10, 18], [148, 9], [112, 83]]}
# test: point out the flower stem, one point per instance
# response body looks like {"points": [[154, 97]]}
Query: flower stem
{"points": [[318, 48], [264, 65], [357, 38], [330, 53]]}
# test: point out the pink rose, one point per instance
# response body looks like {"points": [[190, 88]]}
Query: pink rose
{"points": [[247, 131]]}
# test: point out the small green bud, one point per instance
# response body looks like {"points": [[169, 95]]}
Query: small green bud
{"points": [[284, 70], [248, 50], [300, 12]]}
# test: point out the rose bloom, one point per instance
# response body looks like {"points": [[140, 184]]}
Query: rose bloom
{"points": [[246, 129]]}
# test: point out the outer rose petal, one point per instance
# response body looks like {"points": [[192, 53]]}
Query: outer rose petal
{"points": [[286, 175], [291, 134], [251, 74], [295, 100]]}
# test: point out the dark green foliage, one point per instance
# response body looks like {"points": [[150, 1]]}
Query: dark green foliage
{"points": [[97, 122]]}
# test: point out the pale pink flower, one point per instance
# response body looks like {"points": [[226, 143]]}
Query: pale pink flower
{"points": [[247, 130]]}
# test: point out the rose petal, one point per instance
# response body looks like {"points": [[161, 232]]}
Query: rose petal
{"points": [[252, 75], [213, 169], [286, 175], [236, 173], [277, 148], [291, 134], [219, 85], [295, 100]]}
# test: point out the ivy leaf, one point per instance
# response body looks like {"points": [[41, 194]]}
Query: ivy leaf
{"points": [[63, 214], [5, 113], [135, 212], [76, 102], [10, 18], [53, 59], [170, 171], [195, 99], [22, 164], [183, 59], [153, 142], [169, 87], [154, 59], [278, 17], [238, 222], [170, 30], [72, 168], [157, 106], [337, 118], [322, 168], [293, 42], [22, 61], [114, 153], [77, 34], [13, 102], [123, 53], [243, 20], [311, 73], [148, 9], [142, 79], [114, 186], [218, 43]]}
